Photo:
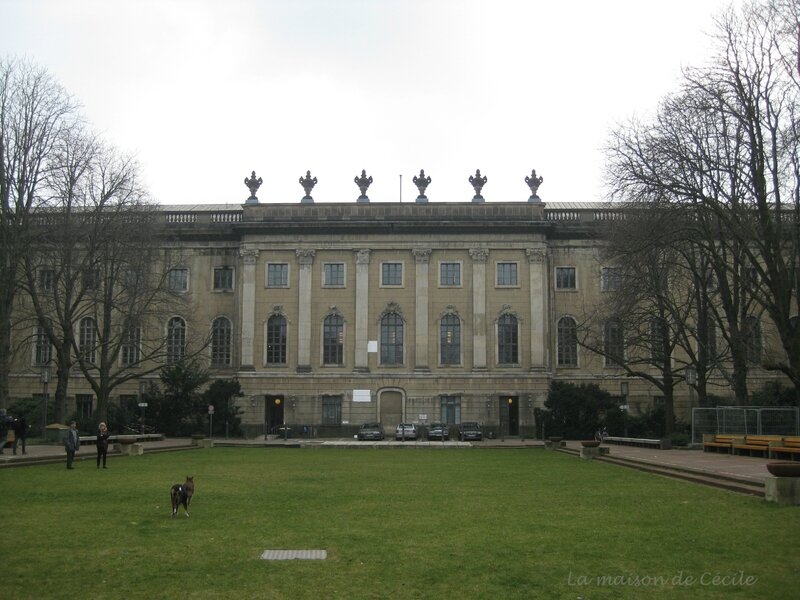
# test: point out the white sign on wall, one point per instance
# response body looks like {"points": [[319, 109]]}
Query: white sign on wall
{"points": [[372, 346], [362, 396]]}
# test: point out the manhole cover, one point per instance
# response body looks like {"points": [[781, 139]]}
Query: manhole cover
{"points": [[294, 555]]}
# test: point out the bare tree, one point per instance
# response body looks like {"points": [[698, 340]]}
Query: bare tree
{"points": [[34, 114]]}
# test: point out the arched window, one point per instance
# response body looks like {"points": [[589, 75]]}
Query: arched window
{"points": [[276, 340], [333, 340], [221, 342], [567, 341], [752, 331], [44, 350], [450, 340], [176, 340], [87, 339], [130, 350], [613, 343], [507, 340], [392, 339], [659, 340]]}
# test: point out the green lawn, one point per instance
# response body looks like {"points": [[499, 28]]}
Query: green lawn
{"points": [[396, 523]]}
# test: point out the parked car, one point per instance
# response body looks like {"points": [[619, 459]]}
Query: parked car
{"points": [[370, 431], [470, 430], [406, 431], [438, 431]]}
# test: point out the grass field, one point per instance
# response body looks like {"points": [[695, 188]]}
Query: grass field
{"points": [[396, 524]]}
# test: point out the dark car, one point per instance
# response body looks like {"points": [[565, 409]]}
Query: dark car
{"points": [[370, 431], [470, 430], [438, 431], [406, 431]]}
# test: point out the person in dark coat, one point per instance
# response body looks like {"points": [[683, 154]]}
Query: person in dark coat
{"points": [[5, 423], [21, 433], [102, 444], [71, 443]]}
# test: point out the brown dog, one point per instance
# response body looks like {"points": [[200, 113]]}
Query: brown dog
{"points": [[181, 493]]}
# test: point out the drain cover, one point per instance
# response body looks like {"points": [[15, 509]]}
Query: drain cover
{"points": [[294, 555]]}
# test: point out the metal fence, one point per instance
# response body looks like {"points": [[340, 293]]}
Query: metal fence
{"points": [[745, 420]]}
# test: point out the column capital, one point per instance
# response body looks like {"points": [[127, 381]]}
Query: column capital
{"points": [[422, 255], [249, 255], [536, 255], [362, 256], [479, 255], [305, 255]]}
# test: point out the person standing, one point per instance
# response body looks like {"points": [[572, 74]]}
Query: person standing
{"points": [[21, 433], [102, 444], [5, 423], [72, 443]]}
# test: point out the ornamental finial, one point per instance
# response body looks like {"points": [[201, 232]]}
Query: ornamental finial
{"points": [[308, 184], [421, 182], [253, 184], [477, 184], [363, 184], [534, 183]]}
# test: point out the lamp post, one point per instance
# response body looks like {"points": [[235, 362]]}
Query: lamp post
{"points": [[44, 377], [142, 403], [623, 390], [691, 380]]}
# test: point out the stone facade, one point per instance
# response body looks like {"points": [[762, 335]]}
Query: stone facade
{"points": [[390, 311]]}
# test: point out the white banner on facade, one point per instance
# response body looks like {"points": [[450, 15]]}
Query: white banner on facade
{"points": [[362, 396]]}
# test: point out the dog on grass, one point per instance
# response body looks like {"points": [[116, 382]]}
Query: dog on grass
{"points": [[181, 493]]}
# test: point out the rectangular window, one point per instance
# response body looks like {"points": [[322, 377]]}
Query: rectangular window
{"points": [[451, 409], [450, 274], [44, 351], [178, 280], [565, 278], [507, 273], [277, 275], [223, 278], [91, 279], [331, 410], [83, 405], [333, 275], [129, 352], [46, 277], [610, 279], [392, 273]]}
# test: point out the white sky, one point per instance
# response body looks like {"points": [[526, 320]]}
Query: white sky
{"points": [[205, 91]]}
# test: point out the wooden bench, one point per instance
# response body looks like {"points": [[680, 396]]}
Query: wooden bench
{"points": [[130, 438], [720, 442], [662, 444], [757, 443], [789, 446]]}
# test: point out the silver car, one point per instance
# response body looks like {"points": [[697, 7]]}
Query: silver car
{"points": [[406, 431]]}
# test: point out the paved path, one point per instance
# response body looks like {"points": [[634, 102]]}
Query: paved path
{"points": [[743, 467]]}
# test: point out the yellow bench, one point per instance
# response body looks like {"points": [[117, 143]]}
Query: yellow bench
{"points": [[789, 446], [757, 443], [718, 442]]}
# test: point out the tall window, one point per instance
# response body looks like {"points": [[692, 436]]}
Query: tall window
{"points": [[451, 409], [659, 336], [331, 410], [613, 343], [178, 280], [392, 273], [392, 339], [565, 278], [567, 342], [221, 342], [450, 274], [277, 275], [46, 278], [709, 348], [507, 340], [44, 350], [176, 340], [276, 340], [333, 340], [507, 273], [84, 405], [333, 274], [752, 331], [223, 278], [87, 339], [450, 340], [91, 279], [130, 349]]}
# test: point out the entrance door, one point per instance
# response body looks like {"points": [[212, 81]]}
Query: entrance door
{"points": [[273, 414], [391, 410], [509, 415]]}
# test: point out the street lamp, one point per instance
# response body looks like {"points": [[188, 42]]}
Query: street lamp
{"points": [[691, 380], [44, 377], [623, 390], [142, 403]]}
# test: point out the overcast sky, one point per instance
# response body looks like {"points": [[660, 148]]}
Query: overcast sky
{"points": [[205, 91]]}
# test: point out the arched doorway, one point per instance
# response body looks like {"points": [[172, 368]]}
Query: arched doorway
{"points": [[391, 409]]}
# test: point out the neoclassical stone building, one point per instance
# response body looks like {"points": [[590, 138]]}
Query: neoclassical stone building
{"points": [[335, 314]]}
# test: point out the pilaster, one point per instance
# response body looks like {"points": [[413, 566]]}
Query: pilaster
{"points": [[479, 258], [249, 258], [362, 309], [305, 258], [422, 257]]}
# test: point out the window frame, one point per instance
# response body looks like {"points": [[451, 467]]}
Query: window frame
{"points": [[557, 271], [230, 279], [175, 346], [172, 280], [286, 268], [223, 348], [327, 269], [567, 356], [130, 349], [392, 263], [610, 279], [507, 332], [513, 273], [392, 353], [450, 353], [458, 264], [333, 347], [334, 402], [276, 346]]}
